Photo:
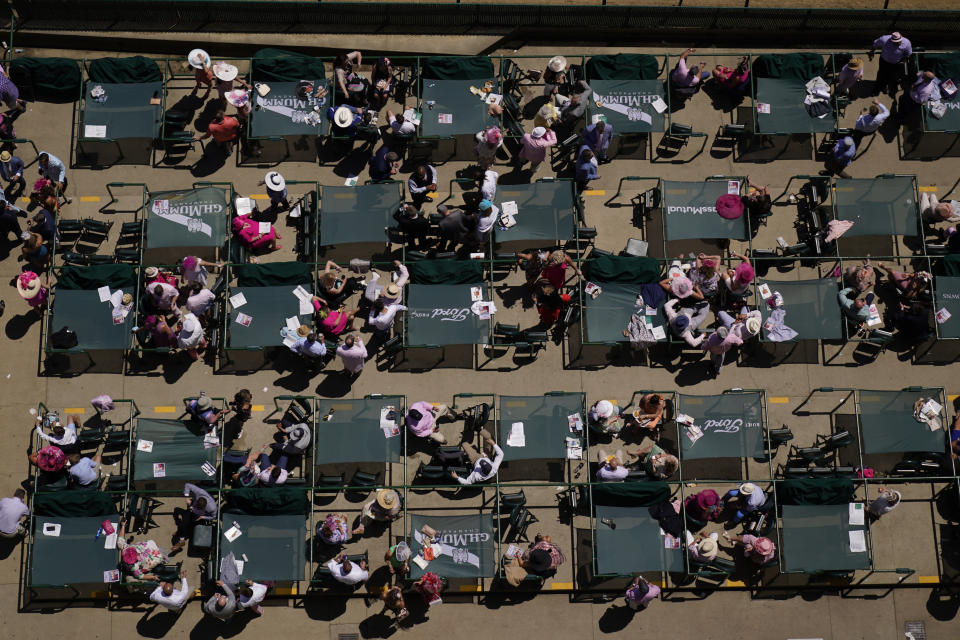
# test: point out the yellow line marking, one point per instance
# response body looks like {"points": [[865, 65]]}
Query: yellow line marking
{"points": [[952, 398], [693, 401], [734, 583], [929, 579], [89, 198], [469, 587], [259, 196], [286, 591], [779, 399], [515, 403], [24, 199], [256, 407], [594, 192], [343, 406], [165, 409], [562, 585], [928, 189], [80, 410]]}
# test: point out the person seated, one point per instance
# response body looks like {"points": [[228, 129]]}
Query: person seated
{"points": [[159, 334], [861, 277], [550, 303], [83, 471], [248, 232], [163, 297], [745, 499], [201, 409], [384, 164], [542, 557], [385, 507], [955, 438], [738, 280], [702, 549], [294, 442], [308, 344], [870, 119], [612, 468], [910, 286], [605, 415], [856, 310], [393, 292], [334, 529], [43, 223], [397, 558], [350, 85], [554, 76], [332, 322], [399, 125], [757, 202], [684, 323], [925, 88], [735, 80], [934, 211], [704, 276], [334, 286], [744, 326], [573, 107], [64, 438], [382, 316], [393, 601], [912, 320], [173, 599], [345, 120], [382, 83], [684, 80], [250, 595], [421, 183], [849, 75], [658, 464], [648, 415], [704, 505], [201, 507], [483, 468], [258, 470], [759, 550], [139, 559], [422, 420]]}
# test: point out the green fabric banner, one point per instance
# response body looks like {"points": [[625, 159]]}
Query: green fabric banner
{"points": [[467, 545], [456, 68], [446, 272], [623, 66], [116, 276], [625, 269], [187, 218], [277, 65], [74, 504], [56, 80], [790, 66], [626, 494], [125, 70], [269, 501], [815, 491], [273, 274]]}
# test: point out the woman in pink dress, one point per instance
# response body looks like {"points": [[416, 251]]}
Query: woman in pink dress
{"points": [[248, 230], [32, 290]]}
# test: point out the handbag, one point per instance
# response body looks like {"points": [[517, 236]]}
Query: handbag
{"points": [[65, 338]]}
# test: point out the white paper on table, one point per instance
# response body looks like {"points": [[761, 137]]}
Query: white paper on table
{"points": [[238, 300], [509, 208], [858, 543], [295, 212], [232, 533], [243, 206], [243, 319], [104, 293], [263, 227], [350, 182], [145, 445], [293, 323], [95, 131], [659, 333], [51, 529], [239, 564], [476, 293], [116, 298], [110, 542], [763, 107], [659, 104], [516, 437], [765, 291], [645, 117], [856, 513], [289, 342], [302, 293], [420, 562], [306, 307]]}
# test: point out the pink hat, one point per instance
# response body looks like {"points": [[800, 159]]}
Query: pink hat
{"points": [[681, 286], [130, 555], [51, 458], [708, 498], [730, 206], [707, 262], [764, 546], [494, 136], [190, 263], [744, 273]]}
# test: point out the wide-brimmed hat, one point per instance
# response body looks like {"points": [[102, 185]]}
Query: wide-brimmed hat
{"points": [[752, 325], [274, 181], [198, 59], [546, 111], [681, 286], [225, 71], [747, 488], [190, 325], [557, 64], [729, 206], [494, 135], [237, 97], [604, 409], [744, 273], [896, 37], [764, 546], [393, 290], [855, 63], [5, 156], [130, 555], [303, 331], [538, 561], [126, 299], [151, 272], [708, 548], [538, 132], [28, 285], [51, 458], [707, 498], [343, 117], [402, 552], [204, 402], [387, 498]]}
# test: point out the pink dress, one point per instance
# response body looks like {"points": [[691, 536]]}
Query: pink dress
{"points": [[38, 299], [334, 323], [248, 229]]}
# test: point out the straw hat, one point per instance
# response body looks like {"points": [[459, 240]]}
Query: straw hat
{"points": [[387, 498], [275, 181], [151, 272], [303, 331], [393, 290], [225, 71], [557, 64], [752, 325], [747, 488], [896, 37], [681, 286], [198, 59], [855, 64], [203, 402], [604, 408], [5, 156], [126, 299], [28, 285], [343, 117], [538, 132], [708, 548], [237, 97]]}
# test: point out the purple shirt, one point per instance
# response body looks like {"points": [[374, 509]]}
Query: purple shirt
{"points": [[717, 345], [632, 594], [848, 77], [893, 52], [353, 357], [921, 91], [682, 77], [424, 427]]}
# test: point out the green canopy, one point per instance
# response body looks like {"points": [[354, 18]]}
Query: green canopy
{"points": [[269, 308], [282, 113], [811, 308], [277, 65], [816, 538], [636, 544], [788, 114], [878, 206], [446, 271], [116, 276], [690, 211], [818, 491], [92, 320], [467, 113], [627, 105], [801, 66], [624, 269], [608, 315], [75, 556], [55, 80], [353, 433], [627, 494], [456, 68], [187, 218], [267, 501], [134, 69], [468, 544], [887, 424], [440, 314], [947, 295], [127, 113], [732, 425], [948, 265], [946, 66], [273, 274], [546, 213], [181, 452], [275, 544], [622, 66], [545, 428], [74, 504], [358, 214]]}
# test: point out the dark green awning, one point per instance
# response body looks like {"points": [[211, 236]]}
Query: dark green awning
{"points": [[545, 425], [269, 307], [947, 293], [878, 206], [76, 556], [467, 542], [623, 102], [887, 424], [546, 213], [127, 113], [453, 98], [732, 425], [353, 433], [811, 308], [358, 214], [439, 314], [180, 450], [635, 546], [816, 539], [275, 545], [788, 114], [188, 218], [690, 211], [281, 113], [608, 315], [90, 319]]}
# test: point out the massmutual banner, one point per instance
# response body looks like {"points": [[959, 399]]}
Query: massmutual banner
{"points": [[190, 218], [465, 545]]}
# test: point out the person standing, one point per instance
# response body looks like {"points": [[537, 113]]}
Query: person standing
{"points": [[840, 158], [871, 119], [421, 183], [344, 571], [454, 227], [172, 599], [384, 164], [52, 168], [276, 190], [483, 468], [597, 136], [586, 168], [535, 145], [222, 604], [640, 593], [223, 129], [886, 501], [11, 170], [894, 51], [414, 226], [251, 595], [353, 353], [487, 181]]}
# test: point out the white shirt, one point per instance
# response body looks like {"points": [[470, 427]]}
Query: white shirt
{"points": [[488, 190], [868, 123], [485, 223], [404, 127], [84, 472], [69, 435], [476, 475], [187, 340], [606, 474], [353, 357], [198, 303], [175, 600], [384, 321], [356, 574], [11, 510], [259, 593], [882, 505]]}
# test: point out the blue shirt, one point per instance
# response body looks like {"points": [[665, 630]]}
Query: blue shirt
{"points": [[84, 472], [844, 154], [316, 349], [598, 142], [55, 169], [47, 228], [379, 165], [893, 52], [586, 169]]}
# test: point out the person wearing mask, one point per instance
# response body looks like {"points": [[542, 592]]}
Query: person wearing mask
{"points": [[894, 51], [483, 467]]}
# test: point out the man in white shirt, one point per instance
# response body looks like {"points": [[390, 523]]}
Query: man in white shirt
{"points": [[61, 436], [611, 468], [83, 471], [250, 597], [309, 346], [342, 570], [489, 213], [399, 125], [12, 511], [871, 119], [483, 467], [382, 315], [172, 599], [488, 184]]}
